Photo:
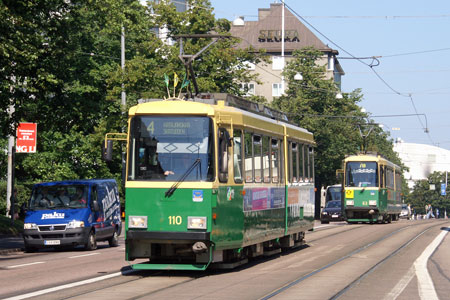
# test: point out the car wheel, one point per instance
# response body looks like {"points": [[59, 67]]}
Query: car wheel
{"points": [[114, 240], [91, 243], [324, 222]]}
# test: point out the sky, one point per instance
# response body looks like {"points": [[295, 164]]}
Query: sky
{"points": [[411, 39]]}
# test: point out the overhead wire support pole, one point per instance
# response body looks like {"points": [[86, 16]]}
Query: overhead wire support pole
{"points": [[189, 59]]}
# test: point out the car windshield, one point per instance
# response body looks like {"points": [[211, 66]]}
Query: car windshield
{"points": [[165, 147], [361, 174], [58, 197], [334, 204], [334, 193]]}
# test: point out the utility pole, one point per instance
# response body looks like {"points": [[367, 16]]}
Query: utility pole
{"points": [[11, 141], [122, 64]]}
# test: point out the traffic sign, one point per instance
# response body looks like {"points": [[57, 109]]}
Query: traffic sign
{"points": [[26, 138]]}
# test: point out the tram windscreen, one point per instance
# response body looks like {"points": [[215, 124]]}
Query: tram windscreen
{"points": [[361, 174], [165, 147]]}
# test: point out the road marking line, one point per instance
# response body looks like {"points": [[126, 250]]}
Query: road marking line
{"points": [[66, 286], [425, 283], [84, 255], [24, 265], [401, 285]]}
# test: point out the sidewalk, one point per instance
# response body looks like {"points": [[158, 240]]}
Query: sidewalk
{"points": [[10, 244]]}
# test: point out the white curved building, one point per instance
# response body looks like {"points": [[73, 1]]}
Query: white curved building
{"points": [[422, 160]]}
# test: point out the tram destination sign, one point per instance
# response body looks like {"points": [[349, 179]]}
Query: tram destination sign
{"points": [[26, 138], [175, 126]]}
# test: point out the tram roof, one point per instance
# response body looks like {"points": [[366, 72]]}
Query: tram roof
{"points": [[370, 156], [245, 112]]}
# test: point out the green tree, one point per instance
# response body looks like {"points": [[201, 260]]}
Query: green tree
{"points": [[61, 69], [422, 194], [312, 104], [219, 69], [57, 58]]}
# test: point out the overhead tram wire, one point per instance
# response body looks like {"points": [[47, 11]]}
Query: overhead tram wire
{"points": [[361, 61], [371, 65]]}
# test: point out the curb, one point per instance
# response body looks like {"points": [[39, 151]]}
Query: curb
{"points": [[9, 251]]}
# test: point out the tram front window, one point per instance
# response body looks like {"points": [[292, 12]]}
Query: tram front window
{"points": [[361, 174], [165, 147]]}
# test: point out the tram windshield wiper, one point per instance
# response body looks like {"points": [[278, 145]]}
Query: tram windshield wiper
{"points": [[172, 189]]}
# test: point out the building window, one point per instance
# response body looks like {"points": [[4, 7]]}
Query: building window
{"points": [[277, 89], [277, 63], [248, 88]]}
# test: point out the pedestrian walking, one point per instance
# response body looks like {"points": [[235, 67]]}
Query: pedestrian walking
{"points": [[430, 212]]}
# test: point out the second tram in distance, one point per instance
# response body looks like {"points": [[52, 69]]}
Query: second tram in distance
{"points": [[372, 189]]}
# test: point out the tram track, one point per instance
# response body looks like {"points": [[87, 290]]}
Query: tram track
{"points": [[157, 284], [347, 256], [353, 227]]}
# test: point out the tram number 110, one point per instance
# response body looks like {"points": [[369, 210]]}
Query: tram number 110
{"points": [[175, 220]]}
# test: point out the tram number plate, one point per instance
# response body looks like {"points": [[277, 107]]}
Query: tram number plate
{"points": [[335, 216], [52, 242]]}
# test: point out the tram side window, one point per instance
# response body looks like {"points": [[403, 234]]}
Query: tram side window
{"points": [[248, 164], [398, 181], [224, 154], [275, 160], [382, 177], [257, 157], [389, 178], [266, 148], [293, 164], [311, 163], [301, 162], [237, 155], [281, 164]]}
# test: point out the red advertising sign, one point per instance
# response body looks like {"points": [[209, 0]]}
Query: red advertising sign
{"points": [[26, 138]]}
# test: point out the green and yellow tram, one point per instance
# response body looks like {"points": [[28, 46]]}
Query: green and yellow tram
{"points": [[372, 189], [214, 181]]}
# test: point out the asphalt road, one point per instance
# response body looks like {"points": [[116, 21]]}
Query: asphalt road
{"points": [[402, 260]]}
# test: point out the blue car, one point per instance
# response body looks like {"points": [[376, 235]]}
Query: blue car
{"points": [[73, 213]]}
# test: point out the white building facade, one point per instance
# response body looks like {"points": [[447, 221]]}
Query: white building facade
{"points": [[422, 160]]}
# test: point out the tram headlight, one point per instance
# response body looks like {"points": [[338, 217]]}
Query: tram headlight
{"points": [[196, 223], [372, 202], [350, 202], [137, 222]]}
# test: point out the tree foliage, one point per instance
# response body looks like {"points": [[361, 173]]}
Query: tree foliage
{"points": [[335, 123], [422, 194], [61, 68]]}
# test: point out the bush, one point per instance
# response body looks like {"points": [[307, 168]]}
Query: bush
{"points": [[6, 228], [23, 195]]}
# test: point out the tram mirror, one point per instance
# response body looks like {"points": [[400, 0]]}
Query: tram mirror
{"points": [[340, 175], [107, 152]]}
